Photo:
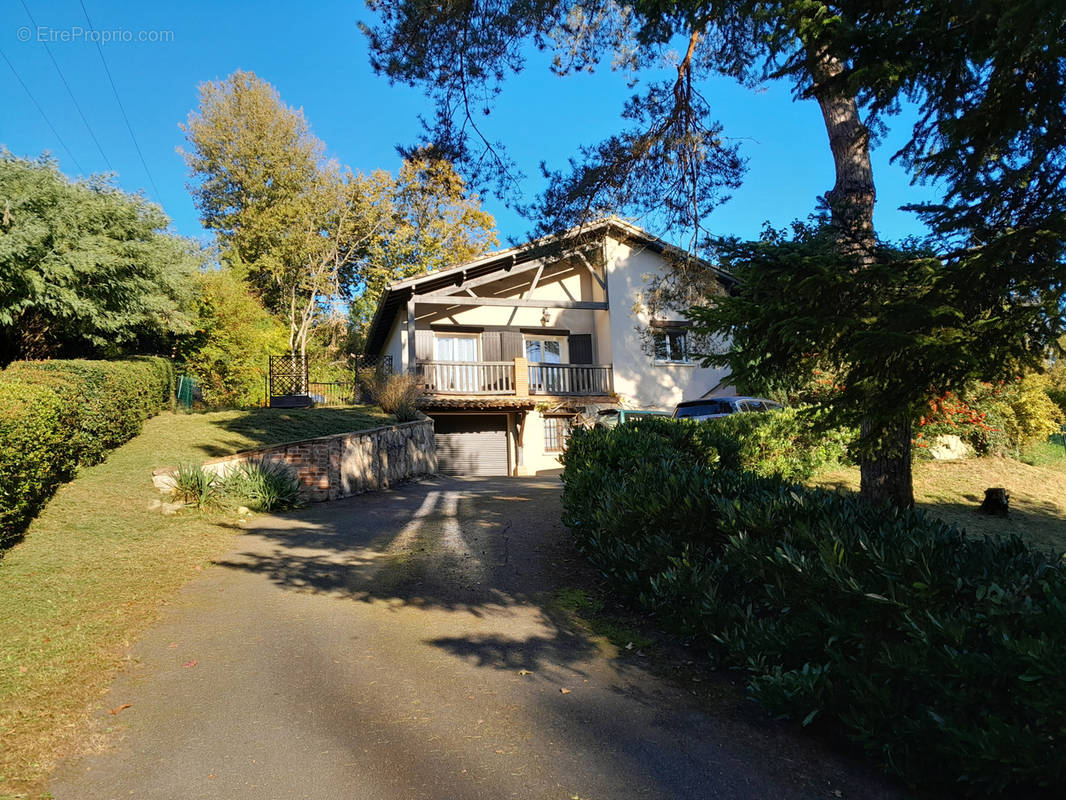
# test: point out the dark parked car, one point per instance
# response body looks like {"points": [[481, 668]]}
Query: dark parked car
{"points": [[714, 407]]}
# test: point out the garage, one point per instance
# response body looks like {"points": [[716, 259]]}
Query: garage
{"points": [[471, 444]]}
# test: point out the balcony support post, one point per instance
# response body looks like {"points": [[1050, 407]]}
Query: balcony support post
{"points": [[411, 355]]}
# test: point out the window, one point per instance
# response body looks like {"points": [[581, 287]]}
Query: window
{"points": [[455, 347], [671, 345], [556, 432], [546, 349]]}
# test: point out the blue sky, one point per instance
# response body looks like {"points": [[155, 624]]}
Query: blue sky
{"points": [[316, 57]]}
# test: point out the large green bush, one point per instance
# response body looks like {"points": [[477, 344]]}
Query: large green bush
{"points": [[57, 415], [788, 443], [938, 653]]}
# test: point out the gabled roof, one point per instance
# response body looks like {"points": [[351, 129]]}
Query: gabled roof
{"points": [[397, 294]]}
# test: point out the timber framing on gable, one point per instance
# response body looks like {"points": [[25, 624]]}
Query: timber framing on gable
{"points": [[583, 248]]}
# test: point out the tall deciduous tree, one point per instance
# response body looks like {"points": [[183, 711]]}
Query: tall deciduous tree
{"points": [[987, 77], [308, 235], [86, 269], [433, 222], [253, 162]]}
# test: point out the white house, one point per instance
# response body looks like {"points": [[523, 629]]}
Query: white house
{"points": [[509, 347]]}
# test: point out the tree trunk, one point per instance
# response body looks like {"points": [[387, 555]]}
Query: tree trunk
{"points": [[885, 463]]}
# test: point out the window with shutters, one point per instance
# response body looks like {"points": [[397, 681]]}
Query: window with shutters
{"points": [[455, 347], [546, 349], [556, 432]]}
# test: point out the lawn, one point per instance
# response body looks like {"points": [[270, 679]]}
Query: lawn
{"points": [[952, 490], [96, 567]]}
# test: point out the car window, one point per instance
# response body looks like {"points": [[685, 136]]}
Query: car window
{"points": [[704, 409], [608, 418], [773, 406], [753, 405]]}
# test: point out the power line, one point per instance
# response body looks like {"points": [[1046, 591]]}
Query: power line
{"points": [[70, 91], [118, 100], [47, 121]]}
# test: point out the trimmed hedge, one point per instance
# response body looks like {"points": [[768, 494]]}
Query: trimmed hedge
{"points": [[58, 415], [938, 653]]}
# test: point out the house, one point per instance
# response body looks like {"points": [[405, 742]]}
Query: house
{"points": [[510, 346]]}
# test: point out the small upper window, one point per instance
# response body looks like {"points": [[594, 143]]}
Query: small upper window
{"points": [[671, 345]]}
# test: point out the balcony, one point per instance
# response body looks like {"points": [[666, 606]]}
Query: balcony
{"points": [[466, 377], [570, 379], [499, 378]]}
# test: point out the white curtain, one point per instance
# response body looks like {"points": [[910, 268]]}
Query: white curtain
{"points": [[455, 348]]}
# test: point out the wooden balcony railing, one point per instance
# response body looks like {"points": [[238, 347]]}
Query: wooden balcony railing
{"points": [[466, 377], [591, 379], [498, 377]]}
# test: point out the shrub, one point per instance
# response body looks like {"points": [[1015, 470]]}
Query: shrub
{"points": [[195, 485], [787, 444], [35, 456], [397, 395], [994, 418], [936, 652], [58, 415], [230, 352], [261, 485]]}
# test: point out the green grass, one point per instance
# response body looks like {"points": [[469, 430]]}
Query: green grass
{"points": [[1046, 454], [232, 431], [953, 490], [95, 567]]}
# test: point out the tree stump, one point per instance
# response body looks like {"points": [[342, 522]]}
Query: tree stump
{"points": [[996, 502]]}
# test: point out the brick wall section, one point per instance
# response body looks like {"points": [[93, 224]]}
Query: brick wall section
{"points": [[344, 464]]}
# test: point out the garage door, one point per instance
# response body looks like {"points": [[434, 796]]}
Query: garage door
{"points": [[471, 444]]}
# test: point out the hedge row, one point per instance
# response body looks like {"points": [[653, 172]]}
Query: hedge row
{"points": [[940, 654], [58, 415]]}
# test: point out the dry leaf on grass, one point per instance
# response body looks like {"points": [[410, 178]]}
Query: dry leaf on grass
{"points": [[118, 709]]}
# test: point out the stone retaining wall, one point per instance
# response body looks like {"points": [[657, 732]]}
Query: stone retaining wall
{"points": [[344, 464]]}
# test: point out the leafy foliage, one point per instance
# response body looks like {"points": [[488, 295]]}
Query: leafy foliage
{"points": [[791, 443], [86, 269], [229, 353], [308, 235], [290, 222], [994, 418], [58, 415], [937, 652], [431, 222]]}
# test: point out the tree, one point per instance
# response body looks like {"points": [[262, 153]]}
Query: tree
{"points": [[252, 160], [308, 235], [433, 222], [987, 77], [86, 269], [291, 223]]}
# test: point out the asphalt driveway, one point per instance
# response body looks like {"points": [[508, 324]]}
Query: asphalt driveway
{"points": [[398, 646]]}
